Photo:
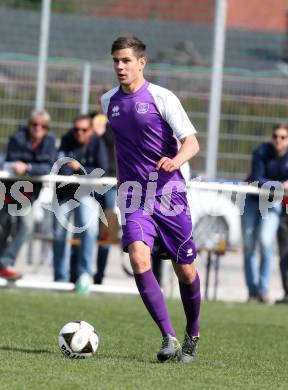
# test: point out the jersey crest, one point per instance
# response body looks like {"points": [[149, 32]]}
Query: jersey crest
{"points": [[142, 108]]}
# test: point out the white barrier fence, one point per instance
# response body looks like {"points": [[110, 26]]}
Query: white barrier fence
{"points": [[197, 186]]}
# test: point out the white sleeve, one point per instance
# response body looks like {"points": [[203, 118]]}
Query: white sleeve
{"points": [[105, 99], [104, 104], [172, 111]]}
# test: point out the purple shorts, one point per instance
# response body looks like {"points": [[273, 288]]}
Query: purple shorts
{"points": [[173, 232]]}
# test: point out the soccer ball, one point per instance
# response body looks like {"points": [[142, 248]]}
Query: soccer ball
{"points": [[78, 339]]}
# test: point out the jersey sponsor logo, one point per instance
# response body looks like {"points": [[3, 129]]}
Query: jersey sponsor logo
{"points": [[190, 252], [115, 111], [142, 108]]}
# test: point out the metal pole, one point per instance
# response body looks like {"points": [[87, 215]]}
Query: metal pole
{"points": [[85, 88], [208, 268], [43, 54], [216, 88]]}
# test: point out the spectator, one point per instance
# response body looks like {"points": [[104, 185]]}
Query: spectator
{"points": [[283, 246], [269, 162], [88, 152], [31, 151], [107, 201]]}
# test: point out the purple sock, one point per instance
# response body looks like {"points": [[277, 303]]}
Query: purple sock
{"points": [[153, 299], [191, 299]]}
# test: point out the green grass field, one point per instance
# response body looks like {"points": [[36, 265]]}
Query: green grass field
{"points": [[242, 346]]}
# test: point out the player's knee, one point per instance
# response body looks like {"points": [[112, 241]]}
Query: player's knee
{"points": [[186, 273], [139, 261]]}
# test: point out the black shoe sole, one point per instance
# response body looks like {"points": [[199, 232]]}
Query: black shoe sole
{"points": [[164, 358]]}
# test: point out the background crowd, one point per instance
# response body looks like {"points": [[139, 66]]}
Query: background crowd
{"points": [[88, 145], [32, 151]]}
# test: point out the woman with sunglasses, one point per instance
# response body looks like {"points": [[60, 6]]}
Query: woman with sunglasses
{"points": [[269, 163], [31, 151]]}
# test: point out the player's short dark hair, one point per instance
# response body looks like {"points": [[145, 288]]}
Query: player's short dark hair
{"points": [[129, 42], [279, 125]]}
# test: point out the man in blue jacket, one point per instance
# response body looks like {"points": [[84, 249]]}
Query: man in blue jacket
{"points": [[86, 152], [31, 152], [269, 163]]}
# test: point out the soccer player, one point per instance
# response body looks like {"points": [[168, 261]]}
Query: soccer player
{"points": [[147, 120]]}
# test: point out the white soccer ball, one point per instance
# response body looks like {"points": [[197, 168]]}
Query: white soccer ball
{"points": [[78, 339]]}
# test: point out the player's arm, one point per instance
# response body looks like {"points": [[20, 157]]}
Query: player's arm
{"points": [[174, 114], [189, 148]]}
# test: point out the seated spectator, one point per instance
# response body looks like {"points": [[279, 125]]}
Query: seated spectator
{"points": [[31, 151], [88, 152], [269, 163]]}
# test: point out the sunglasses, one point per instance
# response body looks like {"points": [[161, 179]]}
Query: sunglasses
{"points": [[282, 137], [35, 124], [84, 130]]}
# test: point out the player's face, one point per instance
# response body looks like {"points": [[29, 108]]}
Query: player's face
{"points": [[129, 69], [280, 140]]}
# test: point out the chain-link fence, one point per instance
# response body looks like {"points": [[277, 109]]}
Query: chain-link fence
{"points": [[179, 36]]}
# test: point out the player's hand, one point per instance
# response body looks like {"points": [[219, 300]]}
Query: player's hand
{"points": [[20, 168], [168, 164], [74, 165]]}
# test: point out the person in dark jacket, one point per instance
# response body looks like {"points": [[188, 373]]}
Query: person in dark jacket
{"points": [[269, 163], [86, 152], [31, 152]]}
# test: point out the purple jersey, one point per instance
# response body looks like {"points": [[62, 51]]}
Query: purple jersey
{"points": [[146, 125]]}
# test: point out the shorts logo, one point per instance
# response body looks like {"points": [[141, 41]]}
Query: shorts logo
{"points": [[142, 108], [190, 252], [115, 111]]}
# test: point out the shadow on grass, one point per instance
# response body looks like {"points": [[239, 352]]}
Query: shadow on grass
{"points": [[127, 358], [100, 356], [134, 359], [26, 350]]}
